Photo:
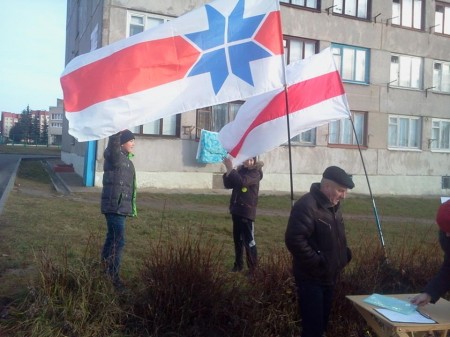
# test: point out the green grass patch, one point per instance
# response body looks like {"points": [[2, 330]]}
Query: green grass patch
{"points": [[30, 149], [177, 258]]}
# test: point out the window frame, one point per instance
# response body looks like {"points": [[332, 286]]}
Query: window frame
{"points": [[340, 65], [442, 28], [445, 182], [362, 139], [308, 137], [398, 20], [408, 147], [398, 72], [441, 81], [343, 3], [290, 3], [175, 125], [440, 136], [206, 122], [287, 41]]}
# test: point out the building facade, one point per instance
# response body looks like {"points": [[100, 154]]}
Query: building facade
{"points": [[9, 119], [394, 60], [56, 115]]}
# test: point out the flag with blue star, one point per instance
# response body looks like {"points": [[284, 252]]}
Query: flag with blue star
{"points": [[224, 51]]}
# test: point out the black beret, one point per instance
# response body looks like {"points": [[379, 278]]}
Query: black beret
{"points": [[125, 136], [339, 176]]}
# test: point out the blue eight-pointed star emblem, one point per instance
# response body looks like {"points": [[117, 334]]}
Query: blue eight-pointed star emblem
{"points": [[227, 46]]}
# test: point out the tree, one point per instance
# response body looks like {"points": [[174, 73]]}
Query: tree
{"points": [[35, 128], [44, 133], [22, 129]]}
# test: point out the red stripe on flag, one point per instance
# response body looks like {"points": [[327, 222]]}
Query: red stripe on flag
{"points": [[130, 70], [269, 35], [300, 96]]}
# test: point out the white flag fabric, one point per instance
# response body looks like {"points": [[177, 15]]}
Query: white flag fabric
{"points": [[315, 96], [223, 51]]}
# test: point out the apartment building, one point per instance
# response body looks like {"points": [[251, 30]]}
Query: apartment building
{"points": [[9, 119], [394, 60], [56, 115]]}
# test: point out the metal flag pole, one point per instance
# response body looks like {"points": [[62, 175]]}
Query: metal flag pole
{"points": [[289, 144], [377, 219]]}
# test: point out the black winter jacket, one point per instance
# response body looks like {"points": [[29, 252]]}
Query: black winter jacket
{"points": [[315, 236], [118, 194], [440, 284], [245, 184]]}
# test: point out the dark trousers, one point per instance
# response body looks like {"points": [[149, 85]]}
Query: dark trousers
{"points": [[314, 302], [114, 243], [243, 236]]}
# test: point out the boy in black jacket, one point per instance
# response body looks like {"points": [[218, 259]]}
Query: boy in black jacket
{"points": [[118, 199], [244, 180]]}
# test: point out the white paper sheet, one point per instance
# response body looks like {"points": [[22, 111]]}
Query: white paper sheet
{"points": [[415, 317]]}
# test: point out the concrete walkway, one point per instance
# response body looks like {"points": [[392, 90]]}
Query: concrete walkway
{"points": [[64, 182]]}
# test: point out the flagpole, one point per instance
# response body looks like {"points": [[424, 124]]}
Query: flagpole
{"points": [[377, 219], [291, 181], [289, 144]]}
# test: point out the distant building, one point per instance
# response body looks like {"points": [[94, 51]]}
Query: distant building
{"points": [[9, 119], [394, 59], [56, 115], [43, 116]]}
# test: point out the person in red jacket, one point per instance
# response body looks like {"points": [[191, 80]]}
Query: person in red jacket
{"points": [[244, 180], [440, 284]]}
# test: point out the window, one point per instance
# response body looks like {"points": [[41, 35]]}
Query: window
{"points": [[404, 132], [445, 182], [442, 18], [441, 76], [215, 117], [406, 71], [315, 4], [440, 134], [140, 22], [352, 62], [341, 131], [356, 8], [296, 49], [168, 126], [407, 13]]}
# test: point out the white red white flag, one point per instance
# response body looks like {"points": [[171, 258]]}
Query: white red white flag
{"points": [[223, 51], [315, 96]]}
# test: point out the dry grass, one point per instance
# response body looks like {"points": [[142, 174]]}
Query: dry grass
{"points": [[176, 265]]}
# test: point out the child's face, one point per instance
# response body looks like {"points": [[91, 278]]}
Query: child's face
{"points": [[128, 146], [249, 162]]}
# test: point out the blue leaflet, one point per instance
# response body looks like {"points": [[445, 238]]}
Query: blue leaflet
{"points": [[210, 149], [391, 303]]}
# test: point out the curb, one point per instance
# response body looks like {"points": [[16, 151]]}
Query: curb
{"points": [[9, 186], [58, 183]]}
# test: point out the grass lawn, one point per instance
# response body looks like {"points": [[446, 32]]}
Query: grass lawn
{"points": [[38, 222], [30, 149]]}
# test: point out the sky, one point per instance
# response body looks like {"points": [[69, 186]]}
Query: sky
{"points": [[32, 53]]}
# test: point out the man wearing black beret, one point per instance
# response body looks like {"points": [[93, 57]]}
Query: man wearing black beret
{"points": [[315, 236]]}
